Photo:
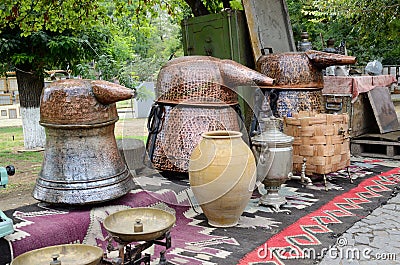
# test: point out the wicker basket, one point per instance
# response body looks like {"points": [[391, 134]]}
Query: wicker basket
{"points": [[322, 139]]}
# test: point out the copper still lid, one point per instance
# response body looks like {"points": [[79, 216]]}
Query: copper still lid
{"points": [[204, 80], [299, 70], [79, 102]]}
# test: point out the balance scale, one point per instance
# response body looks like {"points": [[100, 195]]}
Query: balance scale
{"points": [[148, 226], [142, 226]]}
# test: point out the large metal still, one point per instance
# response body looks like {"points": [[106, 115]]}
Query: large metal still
{"points": [[81, 162], [194, 94]]}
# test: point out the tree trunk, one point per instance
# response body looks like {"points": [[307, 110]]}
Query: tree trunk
{"points": [[30, 86], [198, 8]]}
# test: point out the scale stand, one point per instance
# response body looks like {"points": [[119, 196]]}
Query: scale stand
{"points": [[129, 255]]}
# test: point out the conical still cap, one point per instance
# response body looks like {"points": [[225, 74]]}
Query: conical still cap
{"points": [[81, 102]]}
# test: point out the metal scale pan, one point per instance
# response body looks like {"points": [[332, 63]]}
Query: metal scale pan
{"points": [[146, 225], [68, 254]]}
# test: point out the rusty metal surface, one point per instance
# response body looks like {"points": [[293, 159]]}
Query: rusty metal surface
{"points": [[204, 80], [299, 70], [362, 119], [179, 130], [81, 163], [81, 102]]}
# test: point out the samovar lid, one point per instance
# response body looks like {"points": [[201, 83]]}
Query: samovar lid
{"points": [[271, 135]]}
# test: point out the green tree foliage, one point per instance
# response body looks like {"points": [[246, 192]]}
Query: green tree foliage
{"points": [[144, 38], [42, 34], [35, 35], [370, 28], [119, 40]]}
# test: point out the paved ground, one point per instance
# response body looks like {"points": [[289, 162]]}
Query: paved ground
{"points": [[10, 122], [373, 240]]}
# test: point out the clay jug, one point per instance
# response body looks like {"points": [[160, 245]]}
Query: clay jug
{"points": [[222, 175]]}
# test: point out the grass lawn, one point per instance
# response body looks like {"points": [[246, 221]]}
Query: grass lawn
{"points": [[27, 164]]}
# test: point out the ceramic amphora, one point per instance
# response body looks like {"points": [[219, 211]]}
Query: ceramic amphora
{"points": [[222, 175]]}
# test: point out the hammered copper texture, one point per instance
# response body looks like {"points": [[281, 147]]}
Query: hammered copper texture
{"points": [[284, 103], [73, 101], [299, 69], [294, 101], [108, 93], [204, 80], [181, 130], [81, 162]]}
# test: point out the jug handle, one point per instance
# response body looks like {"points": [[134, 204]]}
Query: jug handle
{"points": [[268, 48]]}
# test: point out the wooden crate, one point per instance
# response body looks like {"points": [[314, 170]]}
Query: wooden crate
{"points": [[323, 139]]}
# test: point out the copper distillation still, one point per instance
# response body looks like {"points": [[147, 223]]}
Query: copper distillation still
{"points": [[298, 79], [82, 164], [194, 94]]}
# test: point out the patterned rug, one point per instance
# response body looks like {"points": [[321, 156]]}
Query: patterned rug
{"points": [[311, 221]]}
